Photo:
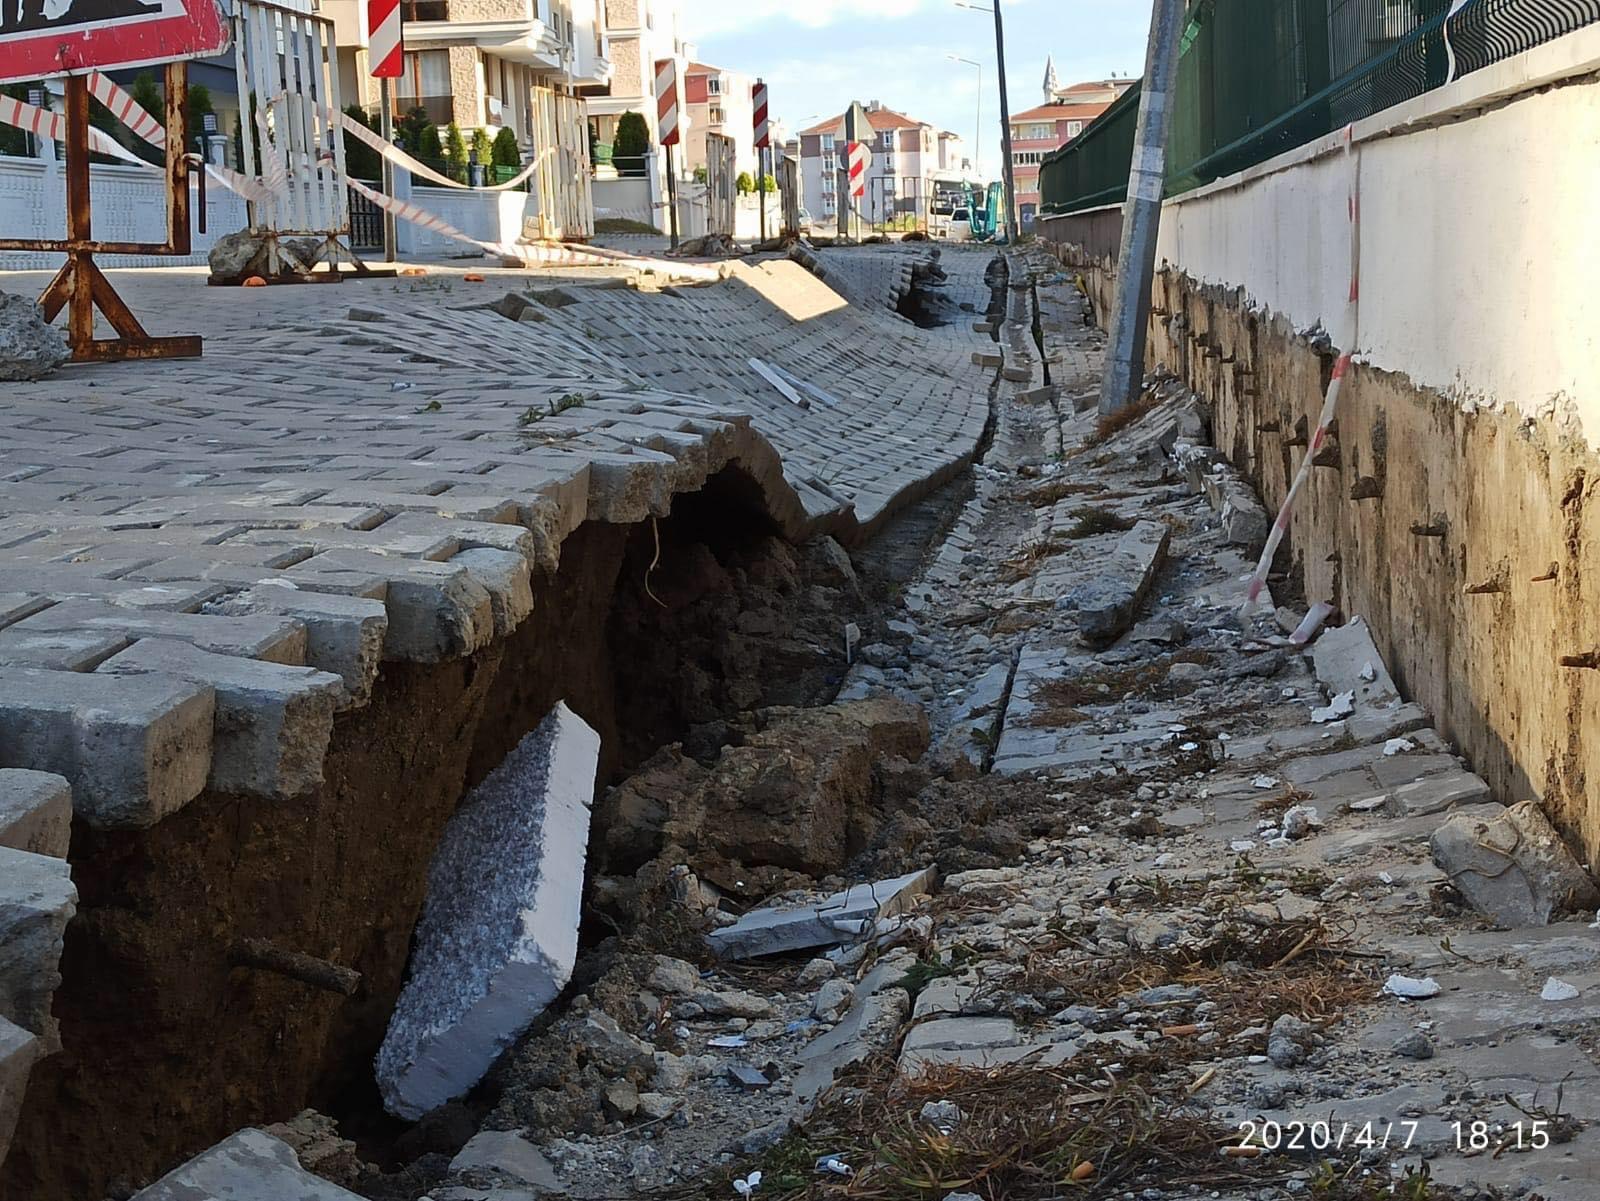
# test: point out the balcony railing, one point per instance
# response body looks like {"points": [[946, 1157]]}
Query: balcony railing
{"points": [[425, 10]]}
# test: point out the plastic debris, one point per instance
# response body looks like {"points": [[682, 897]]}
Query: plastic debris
{"points": [[835, 1165], [1558, 990], [1311, 623], [747, 1185], [1264, 781], [1411, 988], [1398, 746], [728, 1042]]}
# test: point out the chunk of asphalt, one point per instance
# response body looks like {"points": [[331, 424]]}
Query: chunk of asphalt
{"points": [[499, 929]]}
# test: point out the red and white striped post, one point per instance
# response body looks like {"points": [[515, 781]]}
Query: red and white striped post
{"points": [[857, 157], [763, 139], [668, 133], [386, 51]]}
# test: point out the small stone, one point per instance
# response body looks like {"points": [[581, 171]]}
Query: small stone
{"points": [[657, 1105], [944, 1114], [832, 999], [1415, 1045], [30, 347], [1289, 1041], [815, 972], [1558, 990], [622, 1099]]}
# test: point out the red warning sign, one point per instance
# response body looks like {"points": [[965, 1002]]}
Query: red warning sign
{"points": [[43, 38]]}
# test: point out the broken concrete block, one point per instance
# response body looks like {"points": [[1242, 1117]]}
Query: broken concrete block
{"points": [[134, 748], [248, 1166], [37, 900], [19, 1050], [30, 347], [1346, 660], [503, 1156], [273, 722], [843, 917], [504, 575], [1513, 867], [499, 929], [35, 811], [1108, 603]]}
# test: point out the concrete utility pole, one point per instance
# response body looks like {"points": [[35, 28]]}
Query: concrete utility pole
{"points": [[1141, 215], [1005, 129]]}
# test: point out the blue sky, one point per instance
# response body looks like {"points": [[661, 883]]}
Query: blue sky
{"points": [[818, 55]]}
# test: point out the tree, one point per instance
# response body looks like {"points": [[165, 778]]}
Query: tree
{"points": [[631, 145], [768, 184], [699, 175], [455, 152], [420, 136], [199, 107], [745, 184], [483, 146], [505, 152], [360, 160]]}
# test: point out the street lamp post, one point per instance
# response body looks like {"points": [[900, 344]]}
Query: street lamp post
{"points": [[977, 129], [1005, 115]]}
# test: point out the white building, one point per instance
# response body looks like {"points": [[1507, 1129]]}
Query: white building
{"points": [[907, 155]]}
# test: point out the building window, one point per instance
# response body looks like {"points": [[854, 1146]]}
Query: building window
{"points": [[716, 115], [426, 85], [1074, 128], [714, 85], [425, 10]]}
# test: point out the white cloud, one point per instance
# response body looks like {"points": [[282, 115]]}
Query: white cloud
{"points": [[703, 19]]}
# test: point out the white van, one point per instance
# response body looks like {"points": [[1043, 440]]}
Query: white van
{"points": [[959, 227]]}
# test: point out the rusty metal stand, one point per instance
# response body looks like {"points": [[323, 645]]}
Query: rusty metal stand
{"points": [[80, 286]]}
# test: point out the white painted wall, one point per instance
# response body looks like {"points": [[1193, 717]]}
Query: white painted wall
{"points": [[1480, 250], [128, 203]]}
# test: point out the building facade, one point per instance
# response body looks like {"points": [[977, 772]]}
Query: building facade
{"points": [[907, 156], [1035, 132], [718, 101], [638, 33]]}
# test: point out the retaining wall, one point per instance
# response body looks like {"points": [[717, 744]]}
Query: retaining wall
{"points": [[1454, 509]]}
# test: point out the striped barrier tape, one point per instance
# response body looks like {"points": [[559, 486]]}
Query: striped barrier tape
{"points": [[1341, 368], [43, 123]]}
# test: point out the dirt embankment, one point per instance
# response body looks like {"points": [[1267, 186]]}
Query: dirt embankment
{"points": [[653, 633]]}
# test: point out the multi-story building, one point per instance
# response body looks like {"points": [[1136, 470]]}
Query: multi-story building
{"points": [[638, 33], [906, 157], [1035, 132], [718, 101]]}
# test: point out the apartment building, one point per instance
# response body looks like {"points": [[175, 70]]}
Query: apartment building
{"points": [[907, 155], [1035, 132], [638, 33], [718, 101]]}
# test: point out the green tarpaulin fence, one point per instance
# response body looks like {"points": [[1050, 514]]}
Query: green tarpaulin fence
{"points": [[1259, 77]]}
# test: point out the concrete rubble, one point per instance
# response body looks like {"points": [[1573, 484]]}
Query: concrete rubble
{"points": [[499, 931], [249, 1166], [30, 348], [1513, 867]]}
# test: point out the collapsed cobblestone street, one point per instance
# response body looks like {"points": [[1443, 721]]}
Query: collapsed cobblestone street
{"points": [[1085, 883]]}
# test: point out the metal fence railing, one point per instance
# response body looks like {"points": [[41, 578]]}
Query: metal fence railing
{"points": [[1260, 77]]}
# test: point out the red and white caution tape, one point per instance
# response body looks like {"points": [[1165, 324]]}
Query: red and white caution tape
{"points": [[1341, 368], [401, 159], [127, 110]]}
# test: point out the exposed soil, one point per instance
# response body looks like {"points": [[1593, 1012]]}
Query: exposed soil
{"points": [[648, 647]]}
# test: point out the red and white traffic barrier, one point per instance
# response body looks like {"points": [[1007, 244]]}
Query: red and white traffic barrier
{"points": [[859, 156], [1341, 368], [385, 39], [763, 127], [667, 132]]}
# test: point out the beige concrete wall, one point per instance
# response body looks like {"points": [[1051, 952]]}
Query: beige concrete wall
{"points": [[622, 14], [491, 10], [466, 86]]}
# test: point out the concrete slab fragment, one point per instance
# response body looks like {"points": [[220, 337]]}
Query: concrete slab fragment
{"points": [[1347, 660], [1513, 868], [1108, 603], [248, 1166], [19, 1050], [843, 917], [35, 811], [499, 930]]}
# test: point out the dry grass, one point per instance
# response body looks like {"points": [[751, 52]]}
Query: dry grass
{"points": [[1277, 804], [1090, 521], [1111, 423], [1066, 697], [1026, 561], [1055, 490]]}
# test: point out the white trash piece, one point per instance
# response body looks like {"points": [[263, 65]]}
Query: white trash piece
{"points": [[1411, 988], [1558, 990]]}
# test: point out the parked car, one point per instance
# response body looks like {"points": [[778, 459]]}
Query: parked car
{"points": [[959, 227], [805, 223]]}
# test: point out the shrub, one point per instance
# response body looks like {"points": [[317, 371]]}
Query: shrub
{"points": [[455, 152], [746, 184], [505, 152], [360, 160], [631, 145], [483, 146]]}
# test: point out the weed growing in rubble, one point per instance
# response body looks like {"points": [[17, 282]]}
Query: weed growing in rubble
{"points": [[1090, 521], [1122, 418], [556, 406]]}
